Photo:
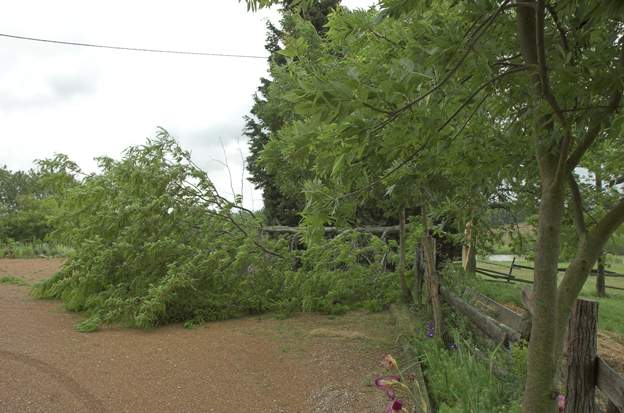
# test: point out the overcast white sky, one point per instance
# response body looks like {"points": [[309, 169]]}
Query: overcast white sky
{"points": [[88, 102]]}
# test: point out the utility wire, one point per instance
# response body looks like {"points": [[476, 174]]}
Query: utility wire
{"points": [[132, 49]]}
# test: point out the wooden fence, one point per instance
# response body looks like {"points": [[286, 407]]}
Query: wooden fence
{"points": [[586, 371], [509, 277]]}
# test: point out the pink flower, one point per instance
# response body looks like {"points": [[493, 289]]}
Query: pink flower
{"points": [[386, 384], [395, 406], [389, 362], [561, 402]]}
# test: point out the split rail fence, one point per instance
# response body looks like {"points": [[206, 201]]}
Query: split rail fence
{"points": [[509, 277], [586, 371]]}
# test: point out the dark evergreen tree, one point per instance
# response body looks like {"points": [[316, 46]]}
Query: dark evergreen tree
{"points": [[265, 120]]}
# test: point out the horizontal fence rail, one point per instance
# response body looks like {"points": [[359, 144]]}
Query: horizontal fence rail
{"points": [[611, 383], [508, 327], [510, 278]]}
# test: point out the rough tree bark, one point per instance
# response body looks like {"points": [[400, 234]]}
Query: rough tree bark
{"points": [[582, 348]]}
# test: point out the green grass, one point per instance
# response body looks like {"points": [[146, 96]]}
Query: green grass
{"points": [[13, 249], [9, 279], [460, 380], [611, 309]]}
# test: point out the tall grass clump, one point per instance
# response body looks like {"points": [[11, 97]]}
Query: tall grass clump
{"points": [[461, 381]]}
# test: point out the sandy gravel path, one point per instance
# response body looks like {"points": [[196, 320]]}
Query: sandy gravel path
{"points": [[303, 364]]}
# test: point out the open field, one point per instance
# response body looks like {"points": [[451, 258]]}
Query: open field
{"points": [[307, 363], [611, 312]]}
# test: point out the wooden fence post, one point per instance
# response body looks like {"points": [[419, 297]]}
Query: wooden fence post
{"points": [[469, 256], [511, 269], [407, 294], [433, 283], [582, 343], [419, 275]]}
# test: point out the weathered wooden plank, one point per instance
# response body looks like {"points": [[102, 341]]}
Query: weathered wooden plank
{"points": [[492, 328], [504, 314], [610, 383]]}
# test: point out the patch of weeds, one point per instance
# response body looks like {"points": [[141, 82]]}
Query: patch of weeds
{"points": [[9, 279], [460, 381], [194, 323], [89, 325]]}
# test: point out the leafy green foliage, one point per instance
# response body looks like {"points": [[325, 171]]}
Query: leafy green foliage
{"points": [[29, 200], [154, 243], [343, 273]]}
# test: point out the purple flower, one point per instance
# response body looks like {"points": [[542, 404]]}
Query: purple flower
{"points": [[430, 329], [395, 406]]}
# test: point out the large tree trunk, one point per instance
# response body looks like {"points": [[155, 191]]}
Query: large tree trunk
{"points": [[552, 304], [540, 387]]}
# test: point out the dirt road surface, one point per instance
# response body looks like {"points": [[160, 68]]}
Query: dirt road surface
{"points": [[308, 363]]}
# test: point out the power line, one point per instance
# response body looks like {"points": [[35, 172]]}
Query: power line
{"points": [[132, 49]]}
